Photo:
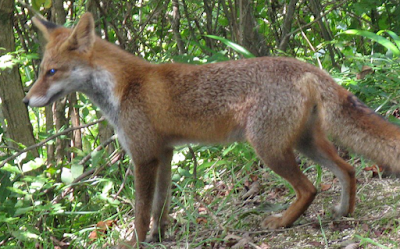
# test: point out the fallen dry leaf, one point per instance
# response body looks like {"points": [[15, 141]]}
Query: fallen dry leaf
{"points": [[365, 70], [201, 220], [254, 189], [254, 178], [325, 187], [264, 246], [315, 243], [101, 228], [352, 246], [375, 169]]}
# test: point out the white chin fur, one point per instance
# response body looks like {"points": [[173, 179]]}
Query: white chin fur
{"points": [[38, 101]]}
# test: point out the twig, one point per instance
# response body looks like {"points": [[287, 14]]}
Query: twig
{"points": [[194, 162], [309, 44], [60, 244], [128, 171], [253, 245], [121, 39], [48, 139], [83, 176], [211, 213], [101, 146], [316, 19], [5, 240], [72, 184]]}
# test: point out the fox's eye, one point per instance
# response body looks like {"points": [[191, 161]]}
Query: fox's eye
{"points": [[51, 72]]}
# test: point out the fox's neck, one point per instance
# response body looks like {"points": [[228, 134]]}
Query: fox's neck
{"points": [[100, 90], [113, 69]]}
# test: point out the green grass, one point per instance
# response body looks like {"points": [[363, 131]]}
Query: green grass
{"points": [[207, 211]]}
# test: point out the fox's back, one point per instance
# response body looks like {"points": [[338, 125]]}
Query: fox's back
{"points": [[216, 101]]}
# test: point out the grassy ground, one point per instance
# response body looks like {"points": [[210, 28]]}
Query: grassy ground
{"points": [[224, 207]]}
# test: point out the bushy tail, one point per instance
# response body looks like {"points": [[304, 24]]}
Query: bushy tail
{"points": [[357, 127]]}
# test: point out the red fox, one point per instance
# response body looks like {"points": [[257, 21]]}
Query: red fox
{"points": [[276, 104]]}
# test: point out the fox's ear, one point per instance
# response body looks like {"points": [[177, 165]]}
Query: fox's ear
{"points": [[44, 26], [83, 35]]}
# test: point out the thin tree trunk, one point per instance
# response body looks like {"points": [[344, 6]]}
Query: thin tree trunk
{"points": [[231, 20], [49, 129], [105, 132], [175, 23], [250, 37], [74, 116], [59, 115], [287, 25], [61, 121], [325, 32], [192, 32], [15, 112], [272, 19], [208, 6], [58, 12]]}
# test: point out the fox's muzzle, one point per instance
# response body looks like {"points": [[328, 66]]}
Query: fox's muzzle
{"points": [[26, 101]]}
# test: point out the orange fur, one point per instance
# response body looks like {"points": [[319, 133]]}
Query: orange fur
{"points": [[276, 104]]}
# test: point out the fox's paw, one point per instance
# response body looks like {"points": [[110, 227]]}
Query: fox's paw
{"points": [[154, 237], [157, 233], [341, 211], [273, 222]]}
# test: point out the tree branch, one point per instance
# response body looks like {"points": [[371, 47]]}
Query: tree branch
{"points": [[77, 180], [48, 139], [37, 13], [316, 19]]}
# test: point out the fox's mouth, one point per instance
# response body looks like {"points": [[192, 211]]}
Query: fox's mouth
{"points": [[55, 97], [40, 101]]}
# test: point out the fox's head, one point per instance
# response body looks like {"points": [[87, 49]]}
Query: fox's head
{"points": [[66, 64]]}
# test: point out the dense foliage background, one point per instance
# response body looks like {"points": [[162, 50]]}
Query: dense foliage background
{"points": [[76, 189]]}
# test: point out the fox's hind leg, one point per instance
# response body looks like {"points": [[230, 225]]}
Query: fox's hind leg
{"points": [[160, 218], [316, 146], [284, 164]]}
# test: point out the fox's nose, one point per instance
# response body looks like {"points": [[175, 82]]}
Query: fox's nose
{"points": [[26, 101]]}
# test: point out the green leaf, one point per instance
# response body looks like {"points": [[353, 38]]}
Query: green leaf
{"points": [[184, 172], [107, 187], [66, 176], [23, 210], [176, 177], [4, 185], [6, 219], [25, 235], [236, 47], [97, 157], [366, 241], [47, 4], [32, 165], [85, 111], [377, 38], [229, 149], [12, 169], [394, 36], [76, 170], [37, 3], [17, 191]]}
